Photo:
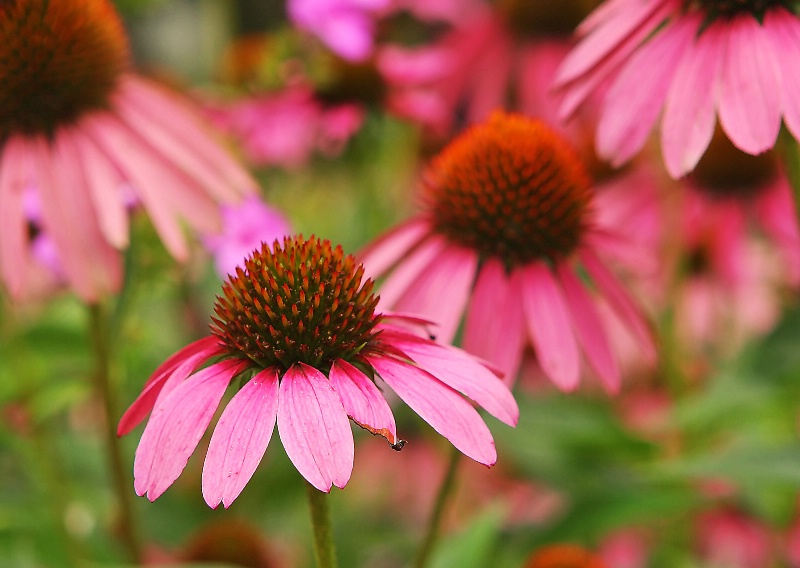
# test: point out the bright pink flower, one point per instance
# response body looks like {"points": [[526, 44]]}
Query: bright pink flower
{"points": [[508, 239], [730, 539], [686, 62], [299, 327], [81, 133], [244, 227]]}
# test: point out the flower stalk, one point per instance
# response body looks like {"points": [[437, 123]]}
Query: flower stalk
{"points": [[324, 548]]}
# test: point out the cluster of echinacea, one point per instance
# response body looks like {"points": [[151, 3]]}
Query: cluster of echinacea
{"points": [[686, 61], [507, 238], [297, 324], [86, 140]]}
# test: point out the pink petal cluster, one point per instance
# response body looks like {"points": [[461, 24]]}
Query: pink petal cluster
{"points": [[659, 58], [311, 411]]}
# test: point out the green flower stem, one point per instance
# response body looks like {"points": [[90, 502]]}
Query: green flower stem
{"points": [[120, 475], [435, 521], [324, 549]]}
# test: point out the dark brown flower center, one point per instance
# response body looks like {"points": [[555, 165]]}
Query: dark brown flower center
{"points": [[728, 8], [545, 17], [302, 302], [58, 59], [511, 188]]}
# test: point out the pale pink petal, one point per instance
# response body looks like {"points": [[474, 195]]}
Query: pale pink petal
{"points": [[634, 100], [362, 400], [385, 251], [620, 302], [405, 274], [176, 426], [550, 327], [14, 244], [495, 328], [589, 328], [783, 28], [689, 112], [440, 406], [240, 439], [460, 371], [314, 429], [441, 291], [750, 88]]}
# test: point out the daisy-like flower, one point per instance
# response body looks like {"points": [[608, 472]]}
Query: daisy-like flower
{"points": [[298, 326], [687, 61], [507, 237], [82, 134]]}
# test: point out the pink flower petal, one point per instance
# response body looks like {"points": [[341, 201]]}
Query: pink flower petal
{"points": [[550, 327], [314, 429], [750, 89], [14, 244], [590, 330], [384, 252], [460, 371], [405, 274], [495, 328], [440, 406], [240, 439], [362, 400], [783, 28], [176, 426]]}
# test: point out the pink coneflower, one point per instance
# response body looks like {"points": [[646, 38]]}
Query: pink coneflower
{"points": [[82, 133], [691, 60], [298, 326], [508, 238]]}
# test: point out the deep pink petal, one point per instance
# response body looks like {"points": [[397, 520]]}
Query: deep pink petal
{"points": [[440, 406], [550, 326], [406, 272], [590, 330], [176, 426], [362, 400], [783, 28], [314, 429], [240, 439], [384, 252], [14, 258], [750, 89], [495, 328]]}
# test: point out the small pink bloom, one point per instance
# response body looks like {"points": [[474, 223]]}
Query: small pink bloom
{"points": [[729, 539], [685, 63], [299, 327]]}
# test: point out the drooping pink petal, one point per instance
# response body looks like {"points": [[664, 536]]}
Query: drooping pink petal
{"points": [[441, 291], [550, 327], [240, 439], [634, 100], [620, 301], [589, 328], [384, 252], [460, 371], [689, 112], [440, 406], [406, 273], [314, 429], [176, 426], [495, 328], [173, 371], [750, 88], [362, 400], [14, 258], [783, 28]]}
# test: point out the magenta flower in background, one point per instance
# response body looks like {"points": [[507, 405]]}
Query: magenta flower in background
{"points": [[244, 227], [686, 62], [507, 239], [82, 133], [299, 327], [728, 538]]}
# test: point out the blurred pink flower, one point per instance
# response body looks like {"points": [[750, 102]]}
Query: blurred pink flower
{"points": [[299, 327], [81, 134], [729, 539], [244, 228], [624, 549], [686, 62], [508, 239]]}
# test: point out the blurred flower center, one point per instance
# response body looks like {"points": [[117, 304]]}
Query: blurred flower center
{"points": [[303, 302], [564, 556], [58, 59], [348, 81], [511, 188], [727, 8], [545, 17]]}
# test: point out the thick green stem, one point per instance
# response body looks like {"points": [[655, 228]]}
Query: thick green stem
{"points": [[435, 521], [324, 549], [120, 474]]}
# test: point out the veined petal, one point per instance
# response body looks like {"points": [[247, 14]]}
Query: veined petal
{"points": [[240, 439], [550, 327], [362, 400], [176, 426], [783, 28], [314, 429], [440, 406]]}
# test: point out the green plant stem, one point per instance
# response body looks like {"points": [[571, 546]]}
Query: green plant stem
{"points": [[120, 476], [435, 521], [324, 549]]}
